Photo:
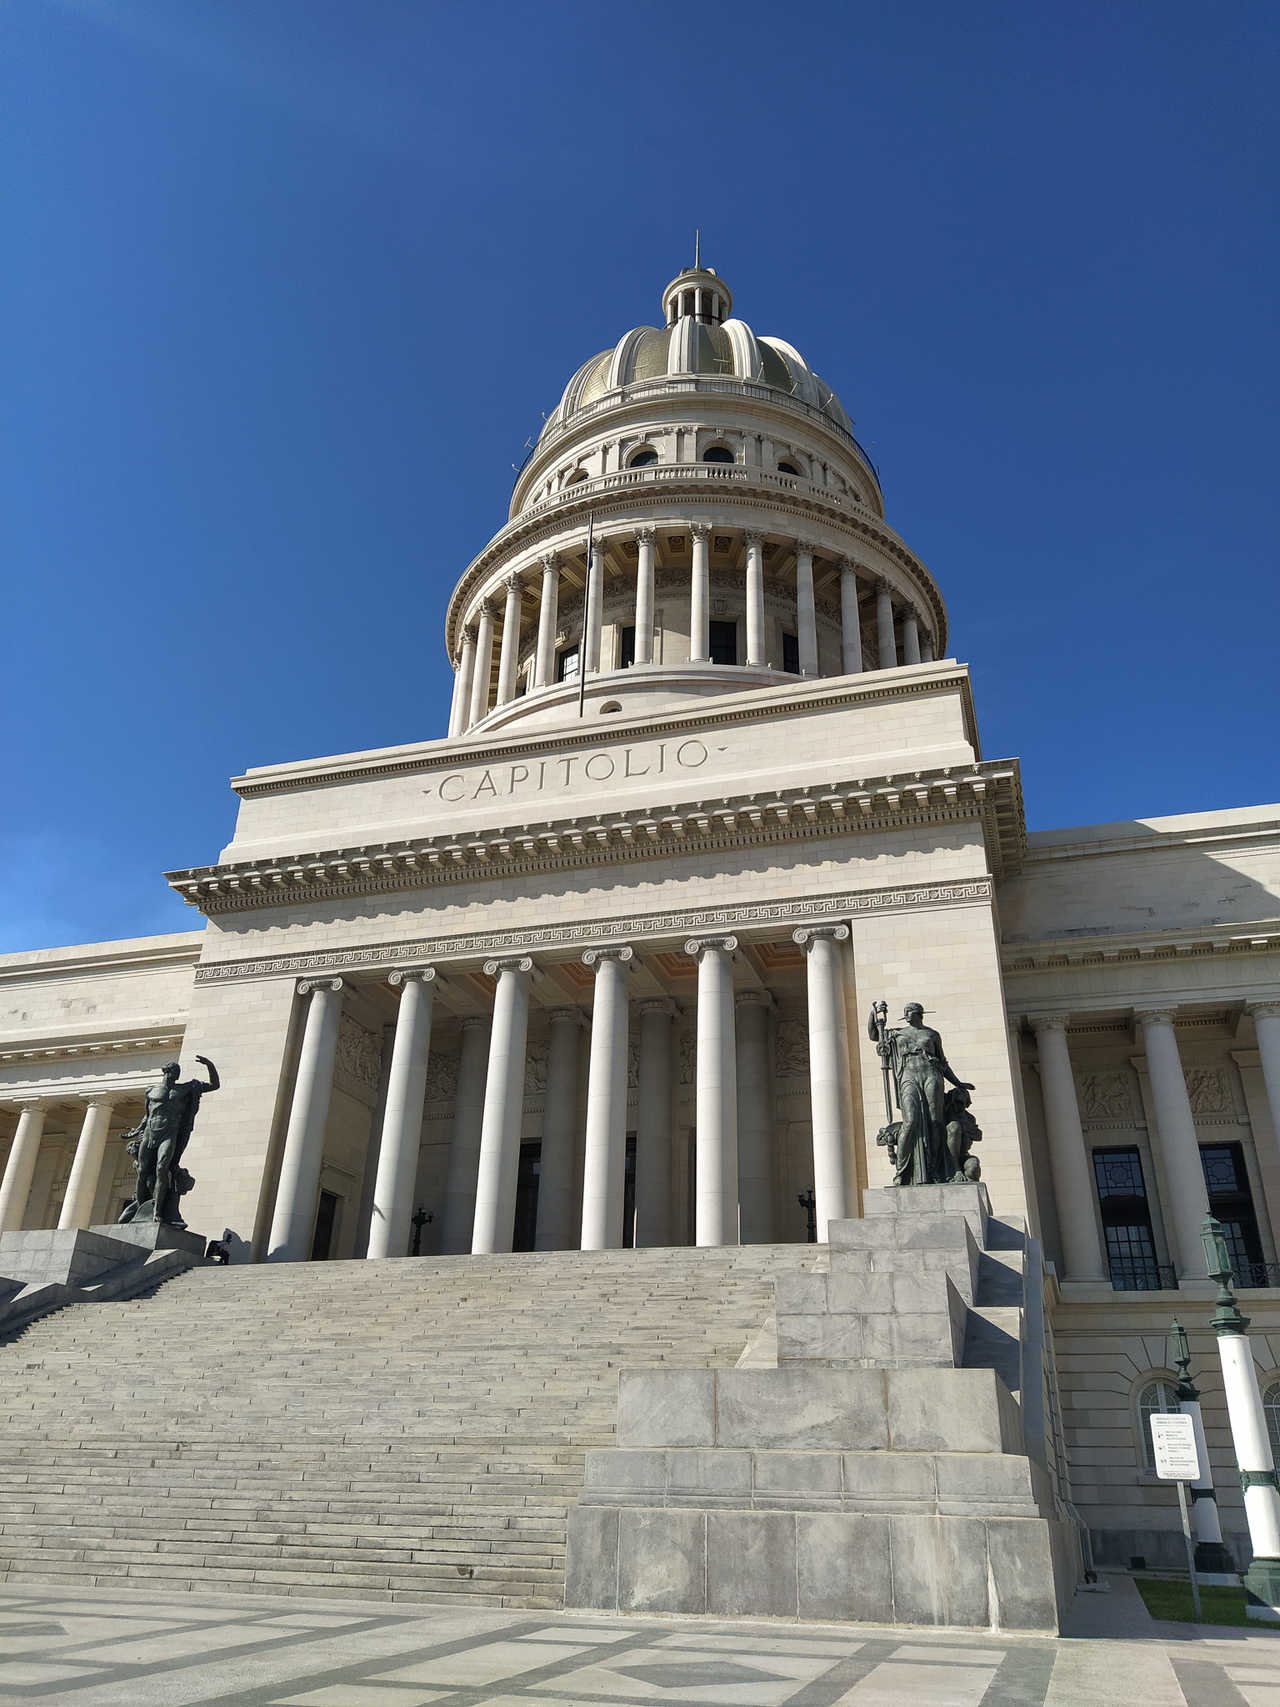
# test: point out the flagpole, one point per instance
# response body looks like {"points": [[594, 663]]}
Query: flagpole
{"points": [[586, 618]]}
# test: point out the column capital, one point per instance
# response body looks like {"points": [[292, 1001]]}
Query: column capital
{"points": [[1155, 1016], [884, 586], [1268, 1008], [849, 567], [594, 956], [566, 1016], [805, 545], [486, 608], [658, 1005], [514, 583], [551, 563], [105, 1102], [468, 633], [508, 963], [754, 999], [470, 1022], [700, 530], [24, 1105], [1047, 1022], [696, 945], [646, 535], [411, 974], [307, 985], [754, 536], [807, 935]]}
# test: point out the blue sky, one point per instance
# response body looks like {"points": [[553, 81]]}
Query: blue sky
{"points": [[289, 283]]}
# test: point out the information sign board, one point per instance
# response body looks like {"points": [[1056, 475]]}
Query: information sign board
{"points": [[1173, 1438]]}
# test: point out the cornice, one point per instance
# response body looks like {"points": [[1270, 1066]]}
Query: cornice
{"points": [[102, 958], [655, 488], [772, 918], [1104, 950], [990, 793], [822, 694], [123, 1039]]}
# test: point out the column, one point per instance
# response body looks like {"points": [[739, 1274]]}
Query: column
{"points": [[402, 1122], [82, 1187], [910, 638], [850, 630], [293, 1223], [926, 649], [605, 1153], [369, 1178], [458, 1213], [509, 656], [755, 598], [1178, 1144], [830, 1085], [595, 606], [499, 1168], [806, 614], [1206, 1525], [1266, 1021], [1073, 1190], [700, 595], [716, 1142], [460, 716], [653, 1124], [554, 1230], [544, 673], [483, 665], [1252, 1446], [644, 596], [15, 1187], [755, 1118], [884, 626]]}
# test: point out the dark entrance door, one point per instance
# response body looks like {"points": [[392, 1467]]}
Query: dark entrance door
{"points": [[326, 1222], [527, 1196]]}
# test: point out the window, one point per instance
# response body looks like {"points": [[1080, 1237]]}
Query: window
{"points": [[1271, 1409], [723, 638], [577, 477], [787, 468], [643, 458], [567, 664], [626, 647], [1155, 1397], [1126, 1220], [791, 654], [1232, 1202], [717, 453]]}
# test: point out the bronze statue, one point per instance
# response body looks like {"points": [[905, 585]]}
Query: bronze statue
{"points": [[158, 1141], [911, 1055], [963, 1132]]}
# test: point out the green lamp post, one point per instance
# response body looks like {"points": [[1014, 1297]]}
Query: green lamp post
{"points": [[1248, 1432]]}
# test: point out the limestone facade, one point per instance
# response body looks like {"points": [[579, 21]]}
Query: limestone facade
{"points": [[594, 967]]}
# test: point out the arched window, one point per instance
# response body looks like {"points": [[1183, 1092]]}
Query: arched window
{"points": [[717, 453], [788, 468], [643, 458], [577, 477], [1271, 1408], [1155, 1397]]}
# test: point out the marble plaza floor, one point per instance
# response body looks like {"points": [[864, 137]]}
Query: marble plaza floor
{"points": [[106, 1648]]}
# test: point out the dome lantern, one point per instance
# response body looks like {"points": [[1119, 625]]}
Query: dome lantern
{"points": [[698, 293]]}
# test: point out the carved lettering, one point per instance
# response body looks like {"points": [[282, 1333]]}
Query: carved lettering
{"points": [[458, 787]]}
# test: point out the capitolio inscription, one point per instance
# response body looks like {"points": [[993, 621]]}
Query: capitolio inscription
{"points": [[616, 764]]}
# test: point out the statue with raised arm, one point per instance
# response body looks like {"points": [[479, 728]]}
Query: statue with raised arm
{"points": [[912, 1058], [158, 1141]]}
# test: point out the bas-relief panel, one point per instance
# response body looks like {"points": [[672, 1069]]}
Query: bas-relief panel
{"points": [[1107, 1096], [359, 1060]]}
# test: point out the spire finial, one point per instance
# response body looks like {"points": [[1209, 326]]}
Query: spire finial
{"points": [[697, 248]]}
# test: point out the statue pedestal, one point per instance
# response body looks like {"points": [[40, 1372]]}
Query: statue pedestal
{"points": [[155, 1236]]}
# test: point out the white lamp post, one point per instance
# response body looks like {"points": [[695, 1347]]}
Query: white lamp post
{"points": [[1212, 1558]]}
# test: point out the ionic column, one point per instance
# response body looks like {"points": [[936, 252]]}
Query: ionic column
{"points": [[806, 613], [544, 670], [1266, 1020], [559, 1128], [884, 626], [1178, 1144], [82, 1187], [595, 606], [755, 598], [460, 714], [293, 1223], [910, 638], [653, 1124], [700, 595], [830, 1085], [850, 631], [1082, 1256], [605, 1154], [499, 1169], [716, 1143], [458, 1214], [644, 596], [509, 656], [755, 1118], [15, 1187], [926, 649], [483, 666], [402, 1121]]}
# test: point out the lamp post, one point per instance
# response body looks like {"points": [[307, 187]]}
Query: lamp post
{"points": [[1248, 1433], [1212, 1558]]}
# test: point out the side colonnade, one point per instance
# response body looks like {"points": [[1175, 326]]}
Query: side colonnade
{"points": [[733, 1120], [496, 619]]}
